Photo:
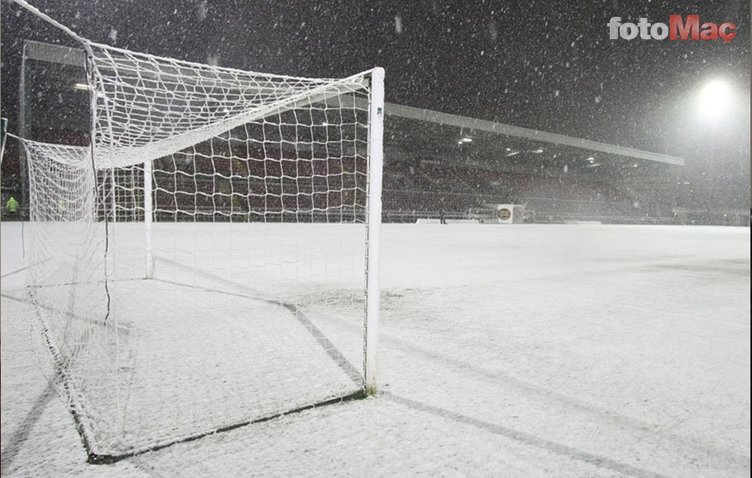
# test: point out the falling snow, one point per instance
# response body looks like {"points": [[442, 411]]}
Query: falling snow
{"points": [[570, 346]]}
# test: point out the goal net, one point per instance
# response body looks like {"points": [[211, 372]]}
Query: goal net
{"points": [[209, 260]]}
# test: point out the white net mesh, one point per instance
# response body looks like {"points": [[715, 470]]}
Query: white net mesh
{"points": [[259, 192], [158, 106]]}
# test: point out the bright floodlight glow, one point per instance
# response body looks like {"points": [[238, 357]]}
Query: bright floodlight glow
{"points": [[714, 99]]}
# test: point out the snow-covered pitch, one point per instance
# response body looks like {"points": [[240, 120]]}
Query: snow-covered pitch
{"points": [[529, 350]]}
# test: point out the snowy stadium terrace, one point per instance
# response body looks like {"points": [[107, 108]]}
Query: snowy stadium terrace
{"points": [[435, 160]]}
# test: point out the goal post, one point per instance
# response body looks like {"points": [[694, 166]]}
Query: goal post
{"points": [[251, 204], [148, 217], [376, 160]]}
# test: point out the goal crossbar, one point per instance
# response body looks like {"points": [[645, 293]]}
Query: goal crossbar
{"points": [[123, 156]]}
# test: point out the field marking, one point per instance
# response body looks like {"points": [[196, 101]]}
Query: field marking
{"points": [[60, 374], [407, 347], [334, 353], [19, 437], [580, 405], [122, 328], [526, 438], [7, 274]]}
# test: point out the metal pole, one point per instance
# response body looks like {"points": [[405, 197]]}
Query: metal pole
{"points": [[375, 171], [23, 132], [113, 192], [148, 211]]}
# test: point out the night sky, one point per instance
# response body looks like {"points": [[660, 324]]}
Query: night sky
{"points": [[543, 65]]}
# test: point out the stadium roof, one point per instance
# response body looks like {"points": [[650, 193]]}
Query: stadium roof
{"points": [[420, 134], [475, 125]]}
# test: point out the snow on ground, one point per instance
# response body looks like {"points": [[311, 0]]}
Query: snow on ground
{"points": [[525, 350]]}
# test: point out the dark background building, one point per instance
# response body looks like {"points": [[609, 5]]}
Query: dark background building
{"points": [[546, 66]]}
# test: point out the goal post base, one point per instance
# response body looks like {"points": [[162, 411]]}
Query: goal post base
{"points": [[106, 459]]}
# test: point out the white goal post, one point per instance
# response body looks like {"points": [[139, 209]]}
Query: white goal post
{"points": [[211, 258]]}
